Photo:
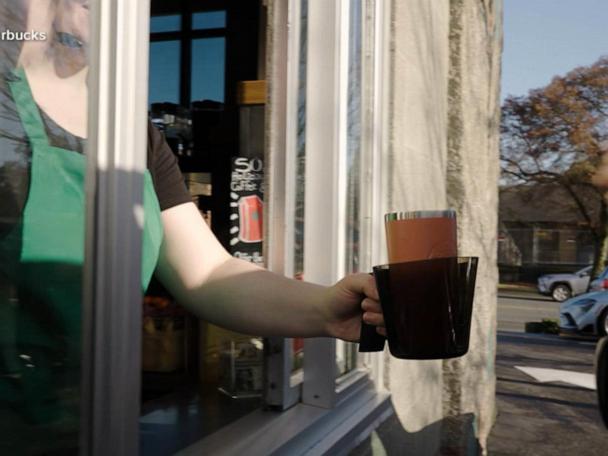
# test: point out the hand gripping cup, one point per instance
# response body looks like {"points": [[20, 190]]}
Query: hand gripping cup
{"points": [[427, 294]]}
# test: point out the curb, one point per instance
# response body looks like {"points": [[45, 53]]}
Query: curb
{"points": [[516, 287]]}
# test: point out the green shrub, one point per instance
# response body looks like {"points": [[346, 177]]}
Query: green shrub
{"points": [[551, 325], [545, 326]]}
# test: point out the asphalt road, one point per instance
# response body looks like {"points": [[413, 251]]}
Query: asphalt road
{"points": [[535, 417], [515, 308]]}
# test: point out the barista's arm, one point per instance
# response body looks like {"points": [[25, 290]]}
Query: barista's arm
{"points": [[240, 296]]}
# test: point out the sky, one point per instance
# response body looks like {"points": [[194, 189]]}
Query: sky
{"points": [[544, 38]]}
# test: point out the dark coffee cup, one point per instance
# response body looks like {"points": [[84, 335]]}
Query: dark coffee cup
{"points": [[427, 307]]}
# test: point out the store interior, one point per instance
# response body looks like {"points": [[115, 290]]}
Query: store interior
{"points": [[207, 95]]}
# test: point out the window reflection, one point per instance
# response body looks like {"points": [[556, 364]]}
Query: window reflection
{"points": [[353, 160], [346, 353], [42, 169], [298, 256], [168, 23], [164, 72], [208, 63], [209, 20]]}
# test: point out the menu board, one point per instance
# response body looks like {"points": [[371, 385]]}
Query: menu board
{"points": [[247, 209]]}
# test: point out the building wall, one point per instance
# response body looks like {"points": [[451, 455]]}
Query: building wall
{"points": [[443, 152], [417, 168], [476, 41]]}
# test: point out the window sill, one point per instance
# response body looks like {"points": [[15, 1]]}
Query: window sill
{"points": [[301, 430]]}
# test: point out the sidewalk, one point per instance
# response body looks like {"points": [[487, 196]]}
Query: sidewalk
{"points": [[544, 419], [533, 418]]}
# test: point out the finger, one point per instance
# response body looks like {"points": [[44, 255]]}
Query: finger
{"points": [[371, 305], [381, 330], [373, 318], [364, 284]]}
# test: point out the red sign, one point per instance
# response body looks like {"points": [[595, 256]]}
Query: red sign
{"points": [[251, 216]]}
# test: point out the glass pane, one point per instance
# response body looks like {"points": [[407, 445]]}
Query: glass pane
{"points": [[164, 72], [182, 403], [170, 23], [298, 257], [209, 20], [346, 357], [42, 198], [301, 146], [353, 144], [346, 353], [197, 377], [208, 69]]}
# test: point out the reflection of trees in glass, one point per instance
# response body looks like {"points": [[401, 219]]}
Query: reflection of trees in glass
{"points": [[353, 189], [554, 135], [301, 145], [348, 360]]}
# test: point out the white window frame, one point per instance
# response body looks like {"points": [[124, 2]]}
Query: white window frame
{"points": [[325, 209], [326, 180], [116, 161], [280, 390], [327, 63], [376, 36]]}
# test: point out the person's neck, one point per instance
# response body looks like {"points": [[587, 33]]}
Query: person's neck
{"points": [[62, 98]]}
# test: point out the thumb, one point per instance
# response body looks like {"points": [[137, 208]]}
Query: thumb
{"points": [[362, 283]]}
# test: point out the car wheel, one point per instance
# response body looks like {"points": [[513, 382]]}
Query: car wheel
{"points": [[561, 292], [601, 375], [602, 323]]}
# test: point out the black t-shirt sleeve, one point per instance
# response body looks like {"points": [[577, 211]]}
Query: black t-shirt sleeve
{"points": [[167, 178]]}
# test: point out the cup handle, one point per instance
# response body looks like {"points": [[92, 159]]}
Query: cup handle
{"points": [[369, 339]]}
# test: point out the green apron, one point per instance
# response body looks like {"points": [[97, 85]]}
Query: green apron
{"points": [[42, 257]]}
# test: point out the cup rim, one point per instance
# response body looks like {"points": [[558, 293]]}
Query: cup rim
{"points": [[410, 215], [460, 259]]}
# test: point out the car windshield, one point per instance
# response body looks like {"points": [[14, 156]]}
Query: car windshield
{"points": [[585, 271]]}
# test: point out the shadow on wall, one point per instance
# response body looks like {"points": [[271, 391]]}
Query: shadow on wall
{"points": [[391, 439]]}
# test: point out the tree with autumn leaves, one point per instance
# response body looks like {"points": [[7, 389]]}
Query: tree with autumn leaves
{"points": [[555, 136]]}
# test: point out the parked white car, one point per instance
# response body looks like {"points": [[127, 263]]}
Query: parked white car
{"points": [[585, 315], [564, 286]]}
